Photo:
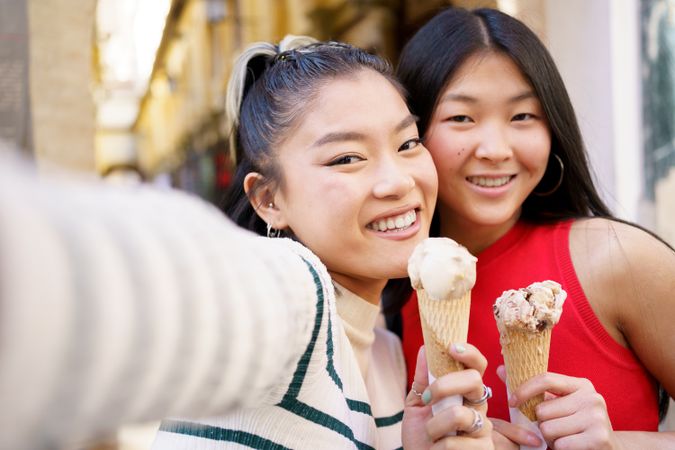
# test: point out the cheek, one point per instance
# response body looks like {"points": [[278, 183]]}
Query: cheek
{"points": [[537, 149], [329, 198], [423, 170], [448, 151]]}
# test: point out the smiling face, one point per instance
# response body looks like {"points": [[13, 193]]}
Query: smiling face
{"points": [[490, 143], [358, 186]]}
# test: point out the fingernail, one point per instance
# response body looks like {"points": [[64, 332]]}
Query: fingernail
{"points": [[513, 400], [426, 396], [459, 348], [532, 440]]}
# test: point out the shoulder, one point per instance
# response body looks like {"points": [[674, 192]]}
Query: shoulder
{"points": [[621, 245], [621, 266], [309, 260], [629, 278]]}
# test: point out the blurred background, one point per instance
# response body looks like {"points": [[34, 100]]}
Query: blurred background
{"points": [[134, 89]]}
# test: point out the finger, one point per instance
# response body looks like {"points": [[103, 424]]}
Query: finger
{"points": [[444, 422], [456, 418], [470, 356], [569, 404], [596, 438], [462, 443], [563, 426], [501, 373], [466, 383], [553, 382], [515, 433], [421, 380]]}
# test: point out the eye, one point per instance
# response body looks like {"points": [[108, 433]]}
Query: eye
{"points": [[410, 144], [461, 118], [344, 160], [523, 116]]}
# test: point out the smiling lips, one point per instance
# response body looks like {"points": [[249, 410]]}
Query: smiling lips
{"points": [[394, 223], [490, 182]]}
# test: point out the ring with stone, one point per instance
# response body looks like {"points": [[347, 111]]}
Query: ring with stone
{"points": [[477, 424], [414, 391], [487, 394]]}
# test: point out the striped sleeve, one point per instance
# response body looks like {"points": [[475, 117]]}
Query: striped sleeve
{"points": [[126, 304]]}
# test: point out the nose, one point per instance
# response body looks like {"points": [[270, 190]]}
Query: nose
{"points": [[393, 181], [494, 145]]}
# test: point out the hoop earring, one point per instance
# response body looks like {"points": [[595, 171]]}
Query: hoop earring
{"points": [[557, 185], [272, 232]]}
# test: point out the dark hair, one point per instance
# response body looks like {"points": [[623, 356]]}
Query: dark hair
{"points": [[430, 60], [271, 89], [428, 64], [433, 56]]}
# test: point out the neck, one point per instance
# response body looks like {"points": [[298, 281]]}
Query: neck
{"points": [[475, 238], [369, 290]]}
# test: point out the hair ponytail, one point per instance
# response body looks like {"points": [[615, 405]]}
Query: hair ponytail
{"points": [[248, 68]]}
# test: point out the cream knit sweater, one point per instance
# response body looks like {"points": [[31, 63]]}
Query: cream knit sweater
{"points": [[131, 304]]}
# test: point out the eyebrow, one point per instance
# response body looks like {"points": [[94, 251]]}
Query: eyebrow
{"points": [[469, 99], [356, 136]]}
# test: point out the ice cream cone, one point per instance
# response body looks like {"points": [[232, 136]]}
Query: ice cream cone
{"points": [[525, 318], [525, 356], [443, 323]]}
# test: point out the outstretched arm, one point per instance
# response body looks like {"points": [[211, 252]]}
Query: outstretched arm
{"points": [[128, 304]]}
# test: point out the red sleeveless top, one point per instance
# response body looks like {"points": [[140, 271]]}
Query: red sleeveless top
{"points": [[580, 346]]}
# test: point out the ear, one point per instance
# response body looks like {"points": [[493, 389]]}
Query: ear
{"points": [[262, 198]]}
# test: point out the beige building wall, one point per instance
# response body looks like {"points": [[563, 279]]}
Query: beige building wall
{"points": [[530, 12], [61, 71]]}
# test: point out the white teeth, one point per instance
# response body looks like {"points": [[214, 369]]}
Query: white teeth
{"points": [[489, 182], [396, 223]]}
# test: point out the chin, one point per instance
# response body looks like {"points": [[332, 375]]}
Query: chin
{"points": [[399, 270]]}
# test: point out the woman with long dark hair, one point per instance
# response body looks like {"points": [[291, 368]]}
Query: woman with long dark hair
{"points": [[515, 188]]}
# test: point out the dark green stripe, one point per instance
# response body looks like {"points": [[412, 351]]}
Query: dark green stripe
{"points": [[330, 366], [321, 418], [353, 405], [387, 421], [303, 364], [290, 401], [358, 406], [219, 434]]}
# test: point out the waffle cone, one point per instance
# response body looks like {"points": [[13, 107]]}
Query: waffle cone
{"points": [[443, 322], [525, 355]]}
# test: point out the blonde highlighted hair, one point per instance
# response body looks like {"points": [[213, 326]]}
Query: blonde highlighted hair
{"points": [[240, 72]]}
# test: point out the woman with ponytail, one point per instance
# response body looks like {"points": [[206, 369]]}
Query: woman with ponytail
{"points": [[327, 151], [127, 304]]}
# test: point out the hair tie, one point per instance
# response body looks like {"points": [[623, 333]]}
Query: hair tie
{"points": [[285, 56]]}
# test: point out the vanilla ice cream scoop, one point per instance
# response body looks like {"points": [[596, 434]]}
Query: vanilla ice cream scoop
{"points": [[534, 308], [443, 268]]}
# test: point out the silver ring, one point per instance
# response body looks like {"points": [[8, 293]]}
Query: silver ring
{"points": [[487, 394], [477, 424], [414, 391]]}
